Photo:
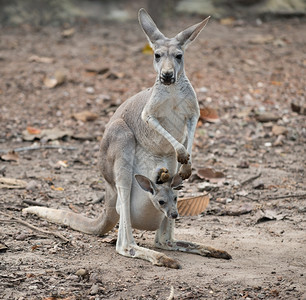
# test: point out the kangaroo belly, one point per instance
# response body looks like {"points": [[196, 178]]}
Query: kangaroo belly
{"points": [[144, 215]]}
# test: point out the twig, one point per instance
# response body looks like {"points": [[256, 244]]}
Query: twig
{"points": [[36, 228], [286, 196], [30, 148], [275, 197], [250, 179]]}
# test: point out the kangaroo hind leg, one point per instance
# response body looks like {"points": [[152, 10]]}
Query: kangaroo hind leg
{"points": [[123, 179]]}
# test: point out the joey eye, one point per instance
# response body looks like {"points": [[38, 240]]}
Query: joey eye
{"points": [[161, 202], [179, 56], [157, 56], [175, 199]]}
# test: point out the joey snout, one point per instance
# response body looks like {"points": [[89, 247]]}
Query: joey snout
{"points": [[173, 215]]}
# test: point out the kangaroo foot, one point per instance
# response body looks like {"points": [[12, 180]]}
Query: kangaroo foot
{"points": [[185, 171], [165, 261], [182, 155], [195, 248], [218, 253], [162, 176], [156, 258]]}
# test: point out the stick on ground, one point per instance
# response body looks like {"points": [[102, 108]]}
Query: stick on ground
{"points": [[15, 219]]}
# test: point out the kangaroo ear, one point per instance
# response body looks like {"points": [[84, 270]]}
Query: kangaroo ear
{"points": [[145, 183], [188, 35], [176, 181], [149, 27]]}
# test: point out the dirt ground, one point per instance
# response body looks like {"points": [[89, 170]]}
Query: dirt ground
{"points": [[250, 73]]}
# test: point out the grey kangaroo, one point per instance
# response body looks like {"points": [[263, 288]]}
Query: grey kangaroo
{"points": [[151, 131]]}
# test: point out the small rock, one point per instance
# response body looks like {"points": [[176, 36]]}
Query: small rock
{"points": [[206, 186], [268, 144], [31, 186], [279, 130], [21, 237], [95, 277], [228, 200], [73, 277], [258, 185], [203, 89], [81, 272], [90, 90], [243, 164], [267, 117], [279, 141], [94, 289]]}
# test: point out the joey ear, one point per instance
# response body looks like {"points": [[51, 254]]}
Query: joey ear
{"points": [[145, 183], [149, 27], [188, 35], [176, 181]]}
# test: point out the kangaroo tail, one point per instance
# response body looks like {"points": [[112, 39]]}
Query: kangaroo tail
{"points": [[104, 223]]}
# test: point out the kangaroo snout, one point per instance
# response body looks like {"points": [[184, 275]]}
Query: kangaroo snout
{"points": [[167, 77], [174, 215]]}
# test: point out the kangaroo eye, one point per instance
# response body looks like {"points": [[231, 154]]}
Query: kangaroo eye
{"points": [[157, 56], [161, 202], [175, 199], [179, 56]]}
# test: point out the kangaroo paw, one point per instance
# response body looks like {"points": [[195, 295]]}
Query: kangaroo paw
{"points": [[162, 176], [182, 156], [185, 171]]}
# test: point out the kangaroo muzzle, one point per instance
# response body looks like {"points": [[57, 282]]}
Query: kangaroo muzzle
{"points": [[167, 78]]}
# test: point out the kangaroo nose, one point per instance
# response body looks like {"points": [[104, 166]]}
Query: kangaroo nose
{"points": [[174, 215], [167, 78], [168, 75]]}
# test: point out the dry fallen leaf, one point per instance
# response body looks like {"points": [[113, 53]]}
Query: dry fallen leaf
{"points": [[279, 130], [261, 39], [211, 175], [85, 116], [3, 247], [47, 134], [32, 130], [268, 215], [56, 188], [109, 240], [41, 59], [227, 21], [50, 82], [62, 163], [12, 183], [192, 206], [299, 108], [10, 156], [147, 49], [115, 75], [96, 68], [68, 32], [58, 79], [209, 114]]}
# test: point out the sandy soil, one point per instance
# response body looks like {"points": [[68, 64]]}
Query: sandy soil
{"points": [[239, 69]]}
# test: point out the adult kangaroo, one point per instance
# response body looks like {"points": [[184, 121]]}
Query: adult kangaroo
{"points": [[149, 136]]}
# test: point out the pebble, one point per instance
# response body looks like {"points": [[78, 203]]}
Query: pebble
{"points": [[90, 90], [21, 237], [94, 289], [81, 272], [31, 186]]}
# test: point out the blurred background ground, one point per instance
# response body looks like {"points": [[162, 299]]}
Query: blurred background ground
{"points": [[65, 66]]}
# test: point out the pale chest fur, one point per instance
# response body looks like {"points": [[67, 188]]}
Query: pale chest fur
{"points": [[172, 106]]}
